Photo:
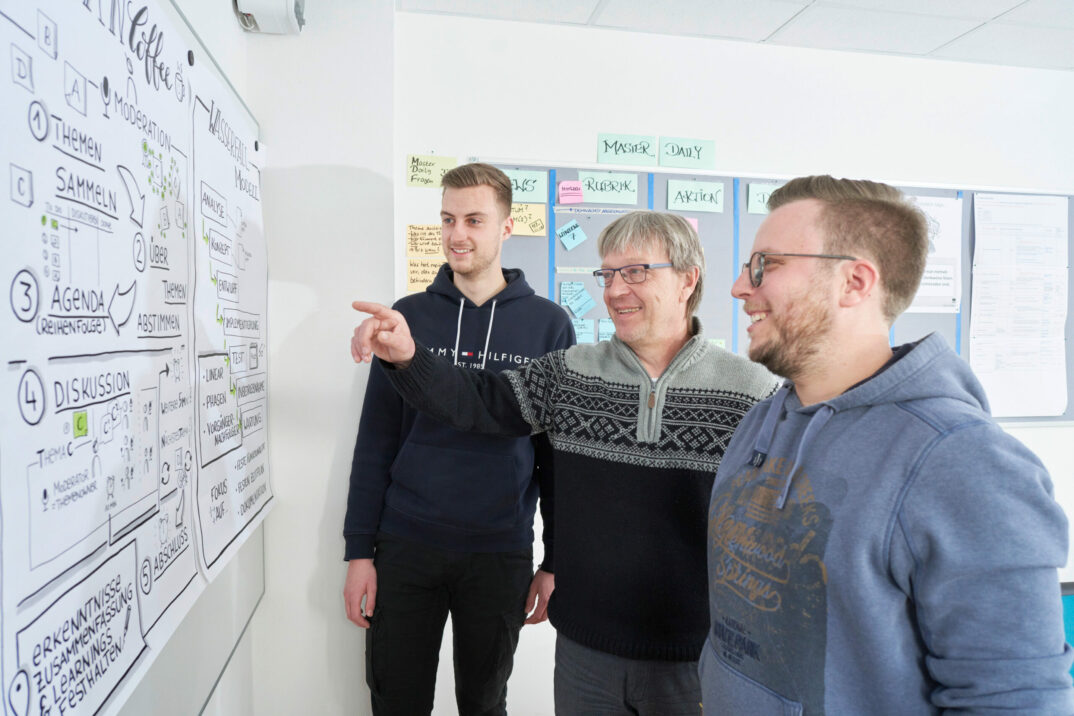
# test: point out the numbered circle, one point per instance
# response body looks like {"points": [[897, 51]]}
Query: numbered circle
{"points": [[39, 121], [146, 577], [25, 296], [31, 397], [140, 251]]}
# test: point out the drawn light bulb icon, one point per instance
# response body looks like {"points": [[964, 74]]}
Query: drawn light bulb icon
{"points": [[106, 96], [18, 694]]}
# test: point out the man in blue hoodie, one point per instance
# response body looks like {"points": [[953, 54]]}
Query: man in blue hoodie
{"points": [[877, 544], [441, 521]]}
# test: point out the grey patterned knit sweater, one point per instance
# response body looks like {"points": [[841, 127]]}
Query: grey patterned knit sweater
{"points": [[634, 464]]}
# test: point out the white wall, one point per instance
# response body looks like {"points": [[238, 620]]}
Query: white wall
{"points": [[504, 90], [342, 104]]}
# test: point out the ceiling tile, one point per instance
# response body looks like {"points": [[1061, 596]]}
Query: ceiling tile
{"points": [[739, 19], [1021, 45], [966, 9], [845, 28], [1049, 13], [566, 11]]}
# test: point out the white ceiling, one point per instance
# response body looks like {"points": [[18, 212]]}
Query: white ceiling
{"points": [[1024, 33]]}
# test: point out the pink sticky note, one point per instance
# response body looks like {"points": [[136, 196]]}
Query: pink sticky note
{"points": [[570, 192], [693, 222]]}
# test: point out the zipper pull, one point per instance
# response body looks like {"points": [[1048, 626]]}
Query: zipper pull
{"points": [[652, 399]]}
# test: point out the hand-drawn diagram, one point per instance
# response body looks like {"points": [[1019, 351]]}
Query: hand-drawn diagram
{"points": [[133, 456]]}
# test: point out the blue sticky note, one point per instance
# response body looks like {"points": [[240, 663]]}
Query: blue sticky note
{"points": [[687, 153], [637, 149], [571, 235], [583, 330], [528, 186], [605, 329], [573, 295], [609, 187]]}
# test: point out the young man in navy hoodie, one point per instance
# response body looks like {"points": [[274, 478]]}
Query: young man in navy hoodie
{"points": [[877, 544], [440, 521]]}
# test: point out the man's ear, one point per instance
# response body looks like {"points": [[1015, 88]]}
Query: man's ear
{"points": [[861, 282], [690, 286], [508, 228]]}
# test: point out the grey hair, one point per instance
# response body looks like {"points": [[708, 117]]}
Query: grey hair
{"points": [[666, 231]]}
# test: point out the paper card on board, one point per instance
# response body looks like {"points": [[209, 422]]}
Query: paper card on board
{"points": [[633, 149]]}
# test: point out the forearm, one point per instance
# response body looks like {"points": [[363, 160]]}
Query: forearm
{"points": [[472, 400]]}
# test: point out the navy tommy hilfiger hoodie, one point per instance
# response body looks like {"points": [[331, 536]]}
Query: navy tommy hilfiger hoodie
{"points": [[414, 477]]}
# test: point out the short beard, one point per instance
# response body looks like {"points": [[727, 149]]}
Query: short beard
{"points": [[797, 345]]}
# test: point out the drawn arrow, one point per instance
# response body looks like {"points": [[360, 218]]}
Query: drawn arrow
{"points": [[232, 387], [124, 308], [219, 318], [131, 185], [213, 279], [203, 234]]}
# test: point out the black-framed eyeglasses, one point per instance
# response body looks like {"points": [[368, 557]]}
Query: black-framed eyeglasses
{"points": [[634, 273], [755, 267]]}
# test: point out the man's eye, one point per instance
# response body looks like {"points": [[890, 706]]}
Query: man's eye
{"points": [[634, 272]]}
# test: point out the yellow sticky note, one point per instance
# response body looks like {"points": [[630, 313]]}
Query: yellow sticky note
{"points": [[420, 273], [423, 240], [427, 169], [529, 219]]}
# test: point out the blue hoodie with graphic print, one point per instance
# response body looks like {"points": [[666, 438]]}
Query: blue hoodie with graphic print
{"points": [[413, 476], [888, 551]]}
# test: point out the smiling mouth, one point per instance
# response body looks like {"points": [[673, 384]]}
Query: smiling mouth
{"points": [[757, 317], [461, 251], [624, 311]]}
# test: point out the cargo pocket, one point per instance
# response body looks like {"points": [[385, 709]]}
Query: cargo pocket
{"points": [[720, 684]]}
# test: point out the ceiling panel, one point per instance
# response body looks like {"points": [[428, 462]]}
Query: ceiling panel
{"points": [[1004, 44], [966, 9], [846, 28], [571, 12], [740, 19], [1049, 13]]}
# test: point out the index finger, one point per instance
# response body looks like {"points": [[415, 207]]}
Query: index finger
{"points": [[372, 308]]}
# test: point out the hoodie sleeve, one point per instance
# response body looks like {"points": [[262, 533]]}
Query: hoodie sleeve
{"points": [[379, 438], [480, 401], [977, 543]]}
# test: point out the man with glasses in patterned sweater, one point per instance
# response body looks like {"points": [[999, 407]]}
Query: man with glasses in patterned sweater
{"points": [[638, 425]]}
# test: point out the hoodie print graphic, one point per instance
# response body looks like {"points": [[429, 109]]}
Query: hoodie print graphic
{"points": [[769, 564]]}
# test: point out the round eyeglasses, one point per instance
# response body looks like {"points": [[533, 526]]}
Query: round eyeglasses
{"points": [[755, 267]]}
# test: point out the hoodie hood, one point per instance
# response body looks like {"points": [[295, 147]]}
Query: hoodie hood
{"points": [[928, 371]]}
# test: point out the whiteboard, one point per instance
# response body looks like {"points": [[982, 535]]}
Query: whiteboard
{"points": [[133, 403]]}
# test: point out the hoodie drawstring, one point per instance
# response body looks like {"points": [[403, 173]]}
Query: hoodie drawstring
{"points": [[458, 330], [488, 334], [768, 428]]}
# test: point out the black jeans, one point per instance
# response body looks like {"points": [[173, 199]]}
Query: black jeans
{"points": [[417, 586]]}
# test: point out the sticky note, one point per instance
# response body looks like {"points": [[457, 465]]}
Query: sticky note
{"points": [[757, 197], [695, 195], [718, 342], [687, 153], [427, 170], [605, 329], [528, 185], [571, 235], [573, 295], [583, 330], [636, 149], [609, 188], [529, 219], [692, 220], [570, 192], [423, 241], [80, 424], [420, 273]]}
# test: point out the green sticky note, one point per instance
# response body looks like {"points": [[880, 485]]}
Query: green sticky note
{"points": [[81, 424], [718, 342], [635, 149], [427, 170], [695, 195], [609, 188], [528, 186], [757, 197], [687, 153]]}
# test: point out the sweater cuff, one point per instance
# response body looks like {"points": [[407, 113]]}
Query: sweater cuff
{"points": [[358, 547]]}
